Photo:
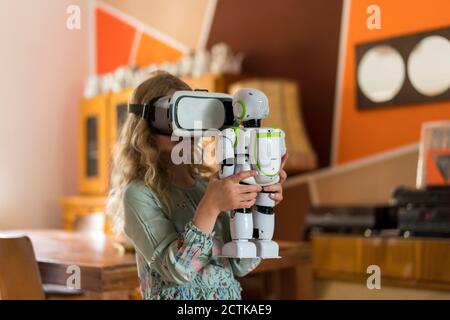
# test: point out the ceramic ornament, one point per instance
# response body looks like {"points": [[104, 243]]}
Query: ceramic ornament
{"points": [[224, 61], [92, 87], [202, 62], [187, 64], [107, 83]]}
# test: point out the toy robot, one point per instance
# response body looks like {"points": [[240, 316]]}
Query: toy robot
{"points": [[250, 147], [244, 147]]}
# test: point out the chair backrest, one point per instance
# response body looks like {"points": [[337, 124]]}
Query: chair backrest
{"points": [[19, 272]]}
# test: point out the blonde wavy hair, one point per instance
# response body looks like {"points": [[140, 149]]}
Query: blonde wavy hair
{"points": [[136, 155]]}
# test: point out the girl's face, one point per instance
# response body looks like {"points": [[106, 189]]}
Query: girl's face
{"points": [[165, 144]]}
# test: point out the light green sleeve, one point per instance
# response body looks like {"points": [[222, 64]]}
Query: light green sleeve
{"points": [[176, 257], [241, 267]]}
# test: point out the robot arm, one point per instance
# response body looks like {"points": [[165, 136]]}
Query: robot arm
{"points": [[266, 150], [283, 144]]}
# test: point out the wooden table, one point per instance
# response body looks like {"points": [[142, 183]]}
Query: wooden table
{"points": [[106, 273]]}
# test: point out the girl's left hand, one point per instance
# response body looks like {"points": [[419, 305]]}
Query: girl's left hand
{"points": [[277, 188]]}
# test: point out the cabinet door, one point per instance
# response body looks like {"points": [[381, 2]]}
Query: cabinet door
{"points": [[93, 165], [118, 113], [337, 253], [435, 260]]}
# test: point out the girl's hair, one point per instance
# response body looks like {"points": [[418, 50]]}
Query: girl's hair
{"points": [[136, 155]]}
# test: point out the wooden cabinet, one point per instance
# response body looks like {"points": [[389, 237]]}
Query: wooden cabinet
{"points": [[434, 261], [101, 119], [415, 262], [339, 254]]}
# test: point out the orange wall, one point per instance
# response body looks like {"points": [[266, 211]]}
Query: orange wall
{"points": [[180, 19], [365, 133], [115, 41]]}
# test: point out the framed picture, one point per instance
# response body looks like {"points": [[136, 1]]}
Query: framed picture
{"points": [[402, 70]]}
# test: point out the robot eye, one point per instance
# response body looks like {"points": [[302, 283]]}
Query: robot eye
{"points": [[250, 93]]}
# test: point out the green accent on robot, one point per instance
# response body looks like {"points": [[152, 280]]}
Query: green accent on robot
{"points": [[266, 135], [244, 110], [236, 134]]}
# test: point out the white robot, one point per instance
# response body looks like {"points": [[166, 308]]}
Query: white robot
{"points": [[240, 148], [250, 147]]}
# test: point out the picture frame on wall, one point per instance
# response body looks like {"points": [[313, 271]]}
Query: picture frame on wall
{"points": [[407, 69]]}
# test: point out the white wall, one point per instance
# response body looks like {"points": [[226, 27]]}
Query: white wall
{"points": [[43, 66]]}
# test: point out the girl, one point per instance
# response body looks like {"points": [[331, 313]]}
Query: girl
{"points": [[176, 221]]}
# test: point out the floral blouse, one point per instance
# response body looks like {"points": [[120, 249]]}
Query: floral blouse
{"points": [[175, 259]]}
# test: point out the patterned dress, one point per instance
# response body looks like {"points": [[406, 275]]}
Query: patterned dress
{"points": [[175, 259]]}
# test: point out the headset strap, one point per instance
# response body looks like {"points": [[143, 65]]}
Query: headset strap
{"points": [[146, 110], [140, 110]]}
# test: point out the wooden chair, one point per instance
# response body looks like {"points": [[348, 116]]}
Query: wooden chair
{"points": [[19, 273]]}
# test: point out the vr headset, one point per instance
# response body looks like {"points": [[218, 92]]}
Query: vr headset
{"points": [[187, 113]]}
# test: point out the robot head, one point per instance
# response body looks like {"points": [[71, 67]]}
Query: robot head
{"points": [[250, 104]]}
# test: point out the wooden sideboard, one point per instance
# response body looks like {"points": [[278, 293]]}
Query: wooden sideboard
{"points": [[422, 263]]}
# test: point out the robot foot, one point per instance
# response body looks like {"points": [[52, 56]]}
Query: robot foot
{"points": [[239, 249], [267, 249]]}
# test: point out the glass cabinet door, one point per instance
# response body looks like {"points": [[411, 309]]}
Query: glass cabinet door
{"points": [[118, 113], [92, 147], [93, 165]]}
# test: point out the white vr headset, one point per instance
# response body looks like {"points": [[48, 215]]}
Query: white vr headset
{"points": [[187, 113]]}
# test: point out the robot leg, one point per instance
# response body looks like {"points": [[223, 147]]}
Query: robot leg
{"points": [[263, 227], [241, 225]]}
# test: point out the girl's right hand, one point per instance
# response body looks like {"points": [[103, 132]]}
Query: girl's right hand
{"points": [[228, 194]]}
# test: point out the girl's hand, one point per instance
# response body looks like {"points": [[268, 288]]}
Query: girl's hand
{"points": [[283, 174], [277, 189], [223, 195], [228, 194]]}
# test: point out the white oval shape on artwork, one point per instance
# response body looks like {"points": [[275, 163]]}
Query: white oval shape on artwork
{"points": [[381, 73], [429, 66]]}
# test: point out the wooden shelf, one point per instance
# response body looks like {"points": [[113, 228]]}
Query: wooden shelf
{"points": [[414, 262]]}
